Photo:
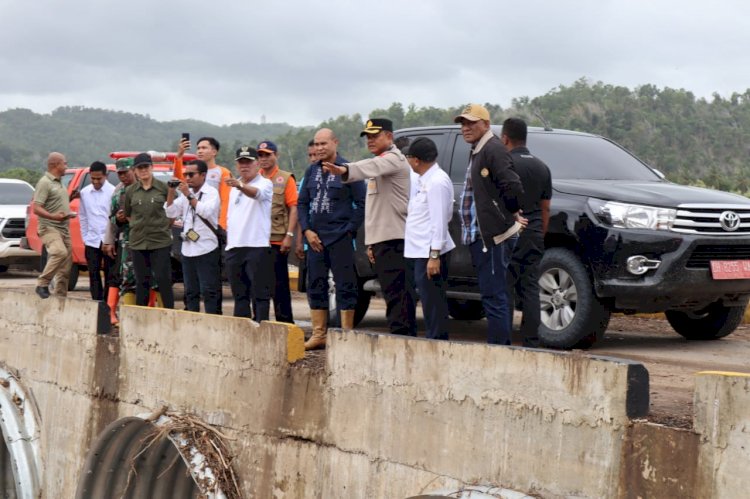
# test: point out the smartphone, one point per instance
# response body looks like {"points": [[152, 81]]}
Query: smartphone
{"points": [[186, 136], [173, 183]]}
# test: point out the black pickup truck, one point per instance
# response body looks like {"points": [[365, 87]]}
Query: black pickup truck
{"points": [[621, 239]]}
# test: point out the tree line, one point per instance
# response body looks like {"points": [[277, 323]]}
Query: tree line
{"points": [[691, 140]]}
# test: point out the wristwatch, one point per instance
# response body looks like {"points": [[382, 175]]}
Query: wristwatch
{"points": [[290, 234], [434, 254], [191, 196]]}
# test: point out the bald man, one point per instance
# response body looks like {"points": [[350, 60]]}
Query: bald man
{"points": [[329, 213], [52, 206]]}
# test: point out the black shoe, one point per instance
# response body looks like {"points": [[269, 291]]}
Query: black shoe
{"points": [[42, 291]]}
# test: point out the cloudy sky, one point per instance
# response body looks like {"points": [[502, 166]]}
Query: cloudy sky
{"points": [[304, 61]]}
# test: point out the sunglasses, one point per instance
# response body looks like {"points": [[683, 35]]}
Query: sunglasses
{"points": [[264, 154], [190, 174]]}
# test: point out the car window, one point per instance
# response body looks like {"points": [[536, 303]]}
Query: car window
{"points": [[460, 159], [15, 193], [440, 140], [585, 157], [66, 178]]}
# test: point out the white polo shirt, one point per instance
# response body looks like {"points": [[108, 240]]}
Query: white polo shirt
{"points": [[430, 210], [249, 219], [208, 207], [94, 210]]}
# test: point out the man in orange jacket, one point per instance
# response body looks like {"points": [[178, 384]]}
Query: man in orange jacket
{"points": [[207, 149]]}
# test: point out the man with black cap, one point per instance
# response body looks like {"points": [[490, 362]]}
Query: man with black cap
{"points": [[115, 243], [150, 232], [490, 220], [330, 214], [427, 242], [283, 225], [93, 213], [385, 220], [535, 202], [248, 252]]}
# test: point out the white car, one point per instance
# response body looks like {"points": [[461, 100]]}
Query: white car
{"points": [[15, 196]]}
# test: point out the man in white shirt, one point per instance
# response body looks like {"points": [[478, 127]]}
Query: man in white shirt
{"points": [[427, 242], [199, 208], [248, 252], [94, 207]]}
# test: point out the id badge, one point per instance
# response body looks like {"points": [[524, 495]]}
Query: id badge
{"points": [[191, 235]]}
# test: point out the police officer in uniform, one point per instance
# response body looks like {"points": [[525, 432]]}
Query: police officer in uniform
{"points": [[534, 202]]}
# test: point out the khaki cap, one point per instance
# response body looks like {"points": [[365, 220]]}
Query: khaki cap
{"points": [[473, 112]]}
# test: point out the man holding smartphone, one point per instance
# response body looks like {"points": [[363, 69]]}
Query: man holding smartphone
{"points": [[52, 205], [201, 256], [206, 150]]}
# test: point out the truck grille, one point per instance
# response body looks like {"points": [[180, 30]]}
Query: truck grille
{"points": [[14, 228], [715, 220], [704, 253]]}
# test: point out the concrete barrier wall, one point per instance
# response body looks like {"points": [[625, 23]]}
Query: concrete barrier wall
{"points": [[549, 422], [373, 416], [722, 417], [51, 344]]}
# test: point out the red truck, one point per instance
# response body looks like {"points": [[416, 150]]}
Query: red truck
{"points": [[76, 179]]}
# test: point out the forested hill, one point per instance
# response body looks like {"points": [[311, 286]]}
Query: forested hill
{"points": [[85, 135], [691, 140]]}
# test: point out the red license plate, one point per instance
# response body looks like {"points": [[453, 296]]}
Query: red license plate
{"points": [[730, 269]]}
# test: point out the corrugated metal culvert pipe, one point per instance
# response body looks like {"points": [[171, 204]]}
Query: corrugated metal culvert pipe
{"points": [[20, 464], [161, 456]]}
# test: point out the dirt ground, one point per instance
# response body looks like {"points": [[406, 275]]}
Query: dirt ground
{"points": [[673, 362]]}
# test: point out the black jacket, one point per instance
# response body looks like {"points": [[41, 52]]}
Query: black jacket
{"points": [[496, 188]]}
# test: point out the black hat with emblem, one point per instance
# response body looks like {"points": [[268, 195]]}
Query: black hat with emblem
{"points": [[377, 125], [246, 152]]}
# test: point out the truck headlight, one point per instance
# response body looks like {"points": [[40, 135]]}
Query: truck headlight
{"points": [[632, 216]]}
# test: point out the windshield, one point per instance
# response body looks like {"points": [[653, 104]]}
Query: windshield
{"points": [[15, 193], [585, 157]]}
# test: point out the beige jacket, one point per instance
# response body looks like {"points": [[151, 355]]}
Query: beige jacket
{"points": [[387, 194]]}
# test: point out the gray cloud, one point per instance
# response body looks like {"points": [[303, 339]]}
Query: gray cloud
{"points": [[303, 62]]}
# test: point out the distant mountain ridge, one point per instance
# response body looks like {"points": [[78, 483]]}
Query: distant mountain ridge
{"points": [[85, 134], [691, 140]]}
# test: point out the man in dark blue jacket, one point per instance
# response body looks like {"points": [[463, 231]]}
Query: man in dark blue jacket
{"points": [[329, 212]]}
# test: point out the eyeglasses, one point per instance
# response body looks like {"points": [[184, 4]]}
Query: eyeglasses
{"points": [[190, 174]]}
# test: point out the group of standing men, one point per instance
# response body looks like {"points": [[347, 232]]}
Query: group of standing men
{"points": [[404, 198], [409, 203]]}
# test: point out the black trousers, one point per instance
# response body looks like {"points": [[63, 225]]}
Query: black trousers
{"points": [[250, 277], [156, 264], [202, 277], [96, 262], [432, 295], [282, 296], [397, 283], [339, 259], [523, 276]]}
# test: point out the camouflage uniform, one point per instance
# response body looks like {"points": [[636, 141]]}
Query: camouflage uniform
{"points": [[122, 238]]}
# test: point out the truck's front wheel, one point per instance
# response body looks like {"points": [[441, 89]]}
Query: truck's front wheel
{"points": [[711, 323], [572, 315]]}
